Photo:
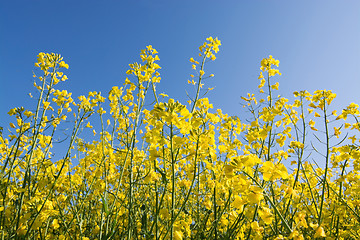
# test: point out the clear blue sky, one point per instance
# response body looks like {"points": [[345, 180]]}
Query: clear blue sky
{"points": [[317, 43]]}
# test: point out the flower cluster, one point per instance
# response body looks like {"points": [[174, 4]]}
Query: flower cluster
{"points": [[167, 170]]}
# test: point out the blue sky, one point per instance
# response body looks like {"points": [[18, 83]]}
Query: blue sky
{"points": [[317, 43]]}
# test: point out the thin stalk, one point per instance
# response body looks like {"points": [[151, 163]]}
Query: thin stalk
{"points": [[67, 157], [199, 83], [27, 176], [340, 193], [326, 163], [188, 193], [172, 182]]}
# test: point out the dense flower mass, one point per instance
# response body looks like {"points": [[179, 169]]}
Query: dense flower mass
{"points": [[178, 171]]}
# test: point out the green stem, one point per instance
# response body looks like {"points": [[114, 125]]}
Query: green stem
{"points": [[326, 164], [199, 83]]}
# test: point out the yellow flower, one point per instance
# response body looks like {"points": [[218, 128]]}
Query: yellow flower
{"points": [[238, 202], [337, 132], [229, 171], [275, 86], [266, 215], [255, 197], [320, 232], [255, 226], [55, 224], [296, 235], [96, 230], [193, 61], [272, 172], [12, 111], [296, 144], [62, 64], [28, 113], [178, 235]]}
